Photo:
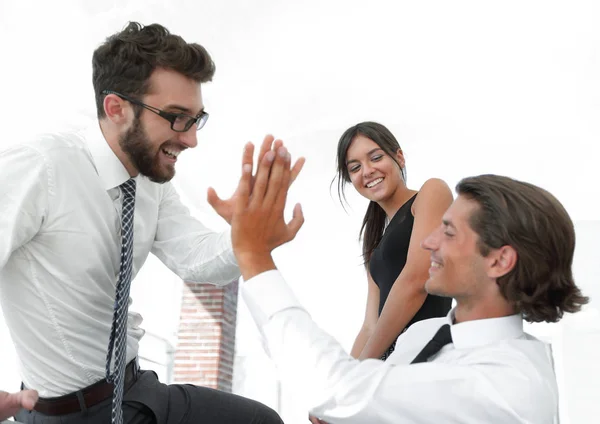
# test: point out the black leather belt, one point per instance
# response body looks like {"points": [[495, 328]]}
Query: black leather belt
{"points": [[87, 397]]}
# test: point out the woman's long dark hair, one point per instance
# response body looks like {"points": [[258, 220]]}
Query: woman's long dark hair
{"points": [[374, 220]]}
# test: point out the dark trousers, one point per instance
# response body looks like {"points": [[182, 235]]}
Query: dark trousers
{"points": [[150, 401]]}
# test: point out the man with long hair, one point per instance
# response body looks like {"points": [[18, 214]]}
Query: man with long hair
{"points": [[503, 251]]}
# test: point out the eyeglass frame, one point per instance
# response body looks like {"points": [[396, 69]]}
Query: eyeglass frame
{"points": [[199, 119]]}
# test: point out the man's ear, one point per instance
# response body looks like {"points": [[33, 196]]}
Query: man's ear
{"points": [[115, 109], [501, 261]]}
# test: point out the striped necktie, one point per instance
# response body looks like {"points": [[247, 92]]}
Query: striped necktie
{"points": [[117, 344]]}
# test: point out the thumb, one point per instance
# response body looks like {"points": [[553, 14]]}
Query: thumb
{"points": [[28, 398], [296, 223], [15, 401], [243, 188], [213, 199]]}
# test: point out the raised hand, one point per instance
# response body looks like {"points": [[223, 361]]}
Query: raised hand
{"points": [[258, 225], [225, 207]]}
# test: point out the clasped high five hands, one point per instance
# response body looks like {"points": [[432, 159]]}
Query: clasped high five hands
{"points": [[225, 207], [258, 225]]}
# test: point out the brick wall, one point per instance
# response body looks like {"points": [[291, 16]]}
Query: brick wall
{"points": [[206, 336]]}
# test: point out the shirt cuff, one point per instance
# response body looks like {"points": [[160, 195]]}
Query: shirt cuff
{"points": [[267, 294]]}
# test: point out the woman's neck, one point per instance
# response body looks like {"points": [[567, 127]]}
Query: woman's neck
{"points": [[391, 205]]}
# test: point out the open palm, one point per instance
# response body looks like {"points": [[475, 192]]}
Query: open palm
{"points": [[225, 207]]}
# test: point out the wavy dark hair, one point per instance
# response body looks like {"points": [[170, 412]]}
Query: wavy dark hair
{"points": [[125, 61], [537, 226], [373, 224]]}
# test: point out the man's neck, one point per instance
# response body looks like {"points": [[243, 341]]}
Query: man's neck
{"points": [[112, 139], [466, 311]]}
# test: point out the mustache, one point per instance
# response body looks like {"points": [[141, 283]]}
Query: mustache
{"points": [[173, 145]]}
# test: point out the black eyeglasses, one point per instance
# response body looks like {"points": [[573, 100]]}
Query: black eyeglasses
{"points": [[180, 122]]}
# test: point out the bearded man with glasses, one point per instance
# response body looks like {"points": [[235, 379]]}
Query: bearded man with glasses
{"points": [[79, 216]]}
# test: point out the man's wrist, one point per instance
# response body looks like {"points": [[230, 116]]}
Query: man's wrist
{"points": [[253, 263]]}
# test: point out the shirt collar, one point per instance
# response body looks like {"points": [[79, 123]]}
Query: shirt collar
{"points": [[482, 332], [108, 166]]}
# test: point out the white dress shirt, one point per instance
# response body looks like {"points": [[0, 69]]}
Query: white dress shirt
{"points": [[492, 373], [60, 242]]}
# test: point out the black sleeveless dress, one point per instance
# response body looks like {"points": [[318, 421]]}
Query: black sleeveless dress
{"points": [[388, 260]]}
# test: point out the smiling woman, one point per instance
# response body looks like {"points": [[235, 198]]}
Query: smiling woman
{"points": [[396, 222]]}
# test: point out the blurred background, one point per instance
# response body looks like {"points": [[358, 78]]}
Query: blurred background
{"points": [[467, 87]]}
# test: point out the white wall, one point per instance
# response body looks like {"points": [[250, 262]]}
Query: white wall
{"points": [[468, 87]]}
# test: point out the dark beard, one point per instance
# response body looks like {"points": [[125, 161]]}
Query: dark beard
{"points": [[138, 149]]}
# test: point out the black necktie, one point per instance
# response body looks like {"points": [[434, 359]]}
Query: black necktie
{"points": [[441, 339]]}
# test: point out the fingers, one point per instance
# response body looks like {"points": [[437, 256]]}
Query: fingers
{"points": [[278, 182], [278, 143], [244, 186], [248, 155], [296, 222], [10, 403], [283, 187], [261, 180], [270, 142], [266, 186], [28, 399], [213, 199], [296, 169], [248, 159], [265, 147]]}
